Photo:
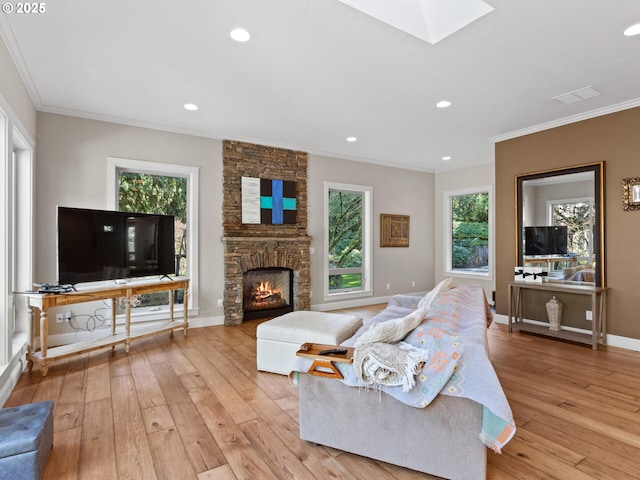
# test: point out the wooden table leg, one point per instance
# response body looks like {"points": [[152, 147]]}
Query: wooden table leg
{"points": [[44, 335]]}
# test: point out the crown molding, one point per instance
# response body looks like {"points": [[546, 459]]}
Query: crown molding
{"points": [[6, 32], [567, 120], [223, 136]]}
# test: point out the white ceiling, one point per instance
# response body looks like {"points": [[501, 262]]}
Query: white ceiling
{"points": [[318, 71]]}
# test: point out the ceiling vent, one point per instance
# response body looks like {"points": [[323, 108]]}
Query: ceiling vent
{"points": [[577, 95]]}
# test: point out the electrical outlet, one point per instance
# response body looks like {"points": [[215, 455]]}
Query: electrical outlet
{"points": [[59, 318], [589, 316], [220, 304], [413, 283], [388, 286], [67, 316]]}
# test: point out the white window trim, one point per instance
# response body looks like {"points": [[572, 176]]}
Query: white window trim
{"points": [[115, 164], [589, 200], [448, 234], [17, 180], [367, 242]]}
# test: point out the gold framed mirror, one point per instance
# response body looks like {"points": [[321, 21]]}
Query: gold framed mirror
{"points": [[631, 193], [572, 199]]}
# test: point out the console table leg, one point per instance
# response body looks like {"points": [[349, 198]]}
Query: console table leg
{"points": [[44, 336], [185, 305]]}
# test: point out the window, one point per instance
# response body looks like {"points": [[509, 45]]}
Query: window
{"points": [[16, 246], [468, 233], [167, 189], [348, 241], [578, 215]]}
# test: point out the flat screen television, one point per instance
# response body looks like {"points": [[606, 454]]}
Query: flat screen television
{"points": [[96, 245], [545, 240]]}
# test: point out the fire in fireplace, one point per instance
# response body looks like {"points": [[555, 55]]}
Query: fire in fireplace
{"points": [[267, 292]]}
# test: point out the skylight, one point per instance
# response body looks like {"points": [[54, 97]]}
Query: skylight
{"points": [[429, 20]]}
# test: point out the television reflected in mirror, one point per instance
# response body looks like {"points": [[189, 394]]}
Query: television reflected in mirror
{"points": [[545, 240]]}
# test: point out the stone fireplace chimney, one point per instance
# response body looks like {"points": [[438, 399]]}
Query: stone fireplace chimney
{"points": [[256, 246]]}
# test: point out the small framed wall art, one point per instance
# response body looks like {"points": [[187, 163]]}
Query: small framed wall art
{"points": [[631, 193], [394, 230]]}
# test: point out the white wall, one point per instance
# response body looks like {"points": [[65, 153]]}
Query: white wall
{"points": [[71, 166], [395, 191], [478, 176]]}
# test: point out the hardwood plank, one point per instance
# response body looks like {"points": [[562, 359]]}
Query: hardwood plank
{"points": [[25, 389], [63, 459], [245, 462], [177, 360], [97, 447], [67, 415], [236, 406], [170, 384], [221, 473], [132, 449], [48, 389], [98, 378], [318, 460], [279, 458], [201, 448], [169, 456], [147, 386], [157, 418], [606, 457], [362, 467]]}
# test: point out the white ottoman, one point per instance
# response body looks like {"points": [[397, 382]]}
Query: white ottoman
{"points": [[279, 339]]}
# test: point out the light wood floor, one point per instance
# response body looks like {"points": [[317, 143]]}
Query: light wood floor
{"points": [[196, 407]]}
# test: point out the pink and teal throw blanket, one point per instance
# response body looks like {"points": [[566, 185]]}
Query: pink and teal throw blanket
{"points": [[454, 334]]}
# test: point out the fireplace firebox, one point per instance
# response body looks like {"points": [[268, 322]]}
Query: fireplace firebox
{"points": [[267, 292]]}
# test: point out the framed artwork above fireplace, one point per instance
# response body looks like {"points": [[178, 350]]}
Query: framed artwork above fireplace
{"points": [[270, 202]]}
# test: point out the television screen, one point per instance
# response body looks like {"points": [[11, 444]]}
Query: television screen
{"points": [[545, 240], [98, 245]]}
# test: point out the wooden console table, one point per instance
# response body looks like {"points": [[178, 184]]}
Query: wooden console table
{"points": [[598, 311], [41, 302]]}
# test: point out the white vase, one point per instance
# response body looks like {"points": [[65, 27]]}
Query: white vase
{"points": [[554, 311]]}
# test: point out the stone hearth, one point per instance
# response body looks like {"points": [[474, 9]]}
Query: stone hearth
{"points": [[253, 246]]}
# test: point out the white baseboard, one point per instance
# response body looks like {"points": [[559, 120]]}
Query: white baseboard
{"points": [[10, 373], [612, 340]]}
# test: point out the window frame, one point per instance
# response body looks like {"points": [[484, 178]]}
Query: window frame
{"points": [[17, 245], [367, 242], [448, 233], [115, 165], [590, 200]]}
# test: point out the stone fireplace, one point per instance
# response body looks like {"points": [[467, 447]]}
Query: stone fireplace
{"points": [[251, 247]]}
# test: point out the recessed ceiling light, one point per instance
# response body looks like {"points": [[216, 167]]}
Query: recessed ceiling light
{"points": [[446, 158], [351, 139], [191, 106], [443, 104], [240, 35], [632, 30]]}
